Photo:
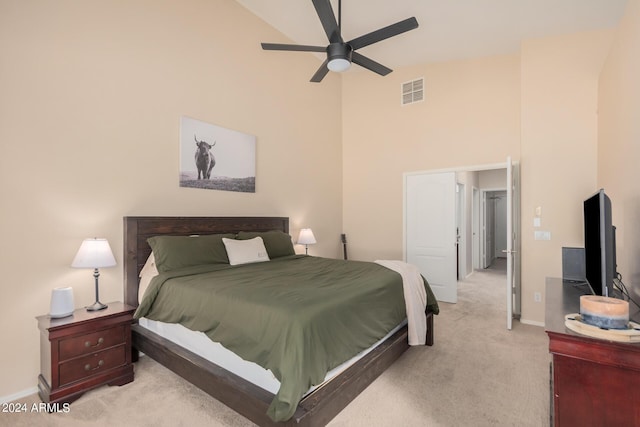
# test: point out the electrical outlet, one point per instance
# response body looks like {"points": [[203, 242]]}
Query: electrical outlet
{"points": [[541, 235], [537, 297]]}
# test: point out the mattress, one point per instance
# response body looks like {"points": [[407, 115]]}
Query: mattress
{"points": [[200, 344]]}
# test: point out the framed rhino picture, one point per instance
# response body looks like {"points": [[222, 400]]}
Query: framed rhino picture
{"points": [[216, 158]]}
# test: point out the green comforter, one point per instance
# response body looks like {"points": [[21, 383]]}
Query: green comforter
{"points": [[298, 316]]}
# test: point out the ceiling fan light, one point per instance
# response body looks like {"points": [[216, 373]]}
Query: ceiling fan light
{"points": [[338, 65], [339, 55]]}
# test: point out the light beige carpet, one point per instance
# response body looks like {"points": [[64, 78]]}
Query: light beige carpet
{"points": [[476, 374]]}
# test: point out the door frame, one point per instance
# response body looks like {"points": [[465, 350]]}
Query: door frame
{"points": [[475, 228], [516, 226], [461, 225]]}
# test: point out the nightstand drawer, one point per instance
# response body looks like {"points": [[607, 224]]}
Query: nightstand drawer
{"points": [[92, 364], [90, 343]]}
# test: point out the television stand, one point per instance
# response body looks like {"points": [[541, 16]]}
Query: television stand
{"points": [[594, 382]]}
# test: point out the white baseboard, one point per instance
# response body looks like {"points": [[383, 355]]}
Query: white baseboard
{"points": [[19, 395], [532, 322]]}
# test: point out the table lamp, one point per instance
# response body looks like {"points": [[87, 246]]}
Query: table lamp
{"points": [[306, 238], [94, 253]]}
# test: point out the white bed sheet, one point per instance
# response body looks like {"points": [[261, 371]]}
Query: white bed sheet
{"points": [[200, 344]]}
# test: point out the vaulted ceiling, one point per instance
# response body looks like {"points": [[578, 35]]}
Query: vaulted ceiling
{"points": [[448, 29]]}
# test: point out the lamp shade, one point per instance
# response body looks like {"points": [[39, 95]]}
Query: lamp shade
{"points": [[61, 302], [94, 253], [306, 237]]}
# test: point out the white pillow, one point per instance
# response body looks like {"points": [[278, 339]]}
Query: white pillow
{"points": [[149, 267], [148, 272], [245, 251]]}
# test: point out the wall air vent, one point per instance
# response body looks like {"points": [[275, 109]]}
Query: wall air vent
{"points": [[413, 91]]}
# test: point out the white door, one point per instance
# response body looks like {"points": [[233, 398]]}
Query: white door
{"points": [[510, 251], [430, 230]]}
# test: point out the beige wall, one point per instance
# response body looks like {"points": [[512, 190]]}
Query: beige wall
{"points": [[493, 179], [91, 97], [619, 142], [538, 106], [470, 117], [559, 88]]}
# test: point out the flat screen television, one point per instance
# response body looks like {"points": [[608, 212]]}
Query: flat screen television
{"points": [[599, 244]]}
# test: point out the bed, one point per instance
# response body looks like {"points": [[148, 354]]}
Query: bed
{"points": [[250, 400]]}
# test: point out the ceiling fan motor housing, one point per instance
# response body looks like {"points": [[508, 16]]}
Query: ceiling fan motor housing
{"points": [[339, 50], [339, 56]]}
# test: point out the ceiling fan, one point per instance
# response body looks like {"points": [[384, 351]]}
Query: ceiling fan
{"points": [[340, 54]]}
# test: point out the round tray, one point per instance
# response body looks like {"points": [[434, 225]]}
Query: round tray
{"points": [[576, 324]]}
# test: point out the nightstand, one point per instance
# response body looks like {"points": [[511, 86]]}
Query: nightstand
{"points": [[84, 351]]}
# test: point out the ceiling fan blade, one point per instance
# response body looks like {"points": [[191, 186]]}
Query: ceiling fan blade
{"points": [[328, 20], [370, 64], [293, 47], [384, 33], [322, 71]]}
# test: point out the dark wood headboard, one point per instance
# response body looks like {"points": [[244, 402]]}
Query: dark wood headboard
{"points": [[137, 229]]}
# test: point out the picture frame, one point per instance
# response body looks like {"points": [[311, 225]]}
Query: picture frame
{"points": [[216, 158]]}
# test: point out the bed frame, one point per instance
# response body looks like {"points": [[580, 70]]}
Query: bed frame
{"points": [[249, 400]]}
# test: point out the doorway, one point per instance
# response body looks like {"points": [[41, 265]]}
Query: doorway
{"points": [[493, 244], [471, 250]]}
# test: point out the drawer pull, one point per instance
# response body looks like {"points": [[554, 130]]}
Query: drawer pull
{"points": [[88, 343], [87, 367]]}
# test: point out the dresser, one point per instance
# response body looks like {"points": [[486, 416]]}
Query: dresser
{"points": [[594, 382], [83, 351]]}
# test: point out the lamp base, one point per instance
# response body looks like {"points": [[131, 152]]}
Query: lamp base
{"points": [[96, 306]]}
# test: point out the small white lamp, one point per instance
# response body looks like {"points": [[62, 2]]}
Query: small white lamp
{"points": [[306, 238], [61, 302], [94, 253]]}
